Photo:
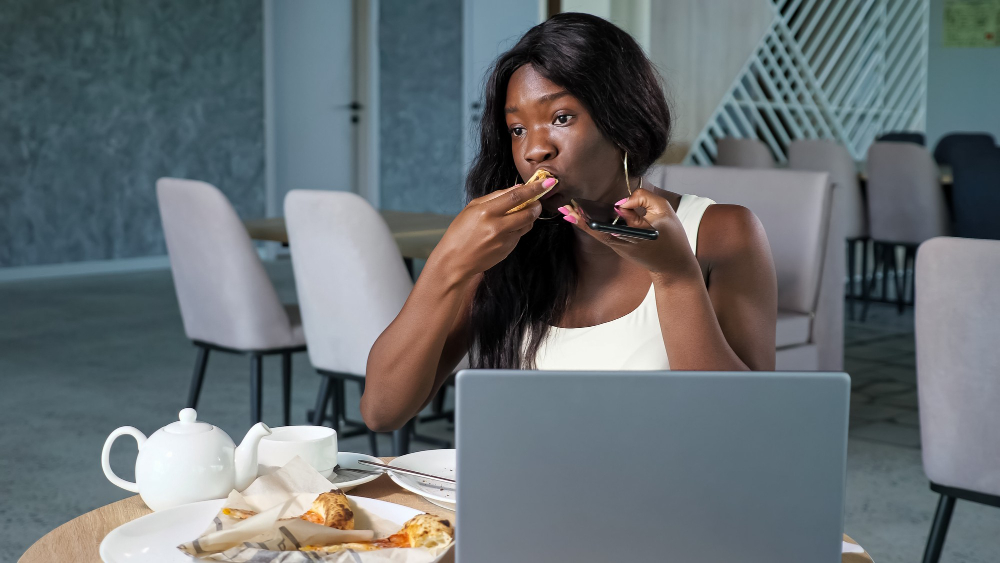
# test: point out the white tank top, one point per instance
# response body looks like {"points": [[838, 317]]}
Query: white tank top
{"points": [[632, 342]]}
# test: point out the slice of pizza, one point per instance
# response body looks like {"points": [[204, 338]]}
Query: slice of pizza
{"points": [[540, 174], [423, 530], [330, 509]]}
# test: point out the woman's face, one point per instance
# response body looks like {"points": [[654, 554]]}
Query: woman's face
{"points": [[551, 129]]}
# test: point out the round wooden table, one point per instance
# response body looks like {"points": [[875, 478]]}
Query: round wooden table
{"points": [[79, 539]]}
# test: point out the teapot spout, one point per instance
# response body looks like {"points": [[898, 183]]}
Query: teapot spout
{"points": [[246, 455]]}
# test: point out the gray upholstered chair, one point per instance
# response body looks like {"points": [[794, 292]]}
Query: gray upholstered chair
{"points": [[822, 155], [227, 301], [743, 153], [351, 282], [795, 209], [906, 206], [958, 374]]}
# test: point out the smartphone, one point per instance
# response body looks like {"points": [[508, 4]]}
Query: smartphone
{"points": [[602, 217]]}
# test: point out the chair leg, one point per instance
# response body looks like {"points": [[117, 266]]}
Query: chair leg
{"points": [[900, 279], [373, 442], [198, 377], [852, 246], [322, 399], [401, 439], [910, 270], [256, 378], [286, 387], [338, 402], [869, 285], [939, 529]]}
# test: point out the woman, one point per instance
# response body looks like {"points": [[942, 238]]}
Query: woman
{"points": [[537, 288]]}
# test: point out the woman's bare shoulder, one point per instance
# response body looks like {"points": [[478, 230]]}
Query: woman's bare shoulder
{"points": [[730, 231]]}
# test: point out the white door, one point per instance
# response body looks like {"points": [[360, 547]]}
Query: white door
{"points": [[489, 29], [311, 112]]}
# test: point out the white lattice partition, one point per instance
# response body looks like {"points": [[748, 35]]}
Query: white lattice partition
{"points": [[847, 70]]}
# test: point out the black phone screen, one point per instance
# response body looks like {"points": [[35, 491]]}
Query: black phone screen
{"points": [[602, 217]]}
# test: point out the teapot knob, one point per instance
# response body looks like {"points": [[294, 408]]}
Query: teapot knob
{"points": [[188, 415]]}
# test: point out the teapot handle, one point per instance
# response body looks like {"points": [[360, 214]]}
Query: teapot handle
{"points": [[140, 438]]}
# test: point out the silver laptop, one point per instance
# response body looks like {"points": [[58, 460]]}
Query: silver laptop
{"points": [[696, 467]]}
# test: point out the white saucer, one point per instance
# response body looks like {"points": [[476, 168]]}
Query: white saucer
{"points": [[154, 538], [433, 462], [348, 479]]}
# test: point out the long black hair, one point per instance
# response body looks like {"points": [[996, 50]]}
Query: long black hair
{"points": [[602, 66]]}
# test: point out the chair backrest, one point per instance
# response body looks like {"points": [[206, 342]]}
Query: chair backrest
{"points": [[958, 361], [957, 143], [905, 201], [743, 153], [903, 137], [349, 276], [793, 207], [821, 155], [976, 192], [225, 295]]}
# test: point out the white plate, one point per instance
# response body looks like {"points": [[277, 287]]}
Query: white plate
{"points": [[154, 538], [432, 462], [349, 480]]}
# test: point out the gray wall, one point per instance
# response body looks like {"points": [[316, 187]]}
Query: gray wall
{"points": [[98, 98], [420, 54], [963, 86]]}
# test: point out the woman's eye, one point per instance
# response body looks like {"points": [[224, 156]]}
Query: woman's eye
{"points": [[517, 131], [563, 119]]}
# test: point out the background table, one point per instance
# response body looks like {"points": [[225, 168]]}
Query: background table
{"points": [[79, 539], [416, 234]]}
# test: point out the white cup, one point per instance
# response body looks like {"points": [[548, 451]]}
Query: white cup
{"points": [[316, 445]]}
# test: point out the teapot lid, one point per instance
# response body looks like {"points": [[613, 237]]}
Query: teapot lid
{"points": [[187, 424]]}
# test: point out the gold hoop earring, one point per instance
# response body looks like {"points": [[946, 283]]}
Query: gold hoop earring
{"points": [[628, 185]]}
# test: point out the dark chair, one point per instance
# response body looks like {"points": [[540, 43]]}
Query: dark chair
{"points": [[976, 192], [957, 143], [903, 137]]}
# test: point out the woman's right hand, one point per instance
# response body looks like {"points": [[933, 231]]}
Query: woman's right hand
{"points": [[483, 234]]}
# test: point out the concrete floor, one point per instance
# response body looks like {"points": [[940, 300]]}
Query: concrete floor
{"points": [[80, 357]]}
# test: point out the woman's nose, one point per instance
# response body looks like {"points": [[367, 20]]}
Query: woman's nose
{"points": [[539, 151]]}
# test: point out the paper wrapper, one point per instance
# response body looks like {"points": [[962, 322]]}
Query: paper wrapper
{"points": [[269, 538]]}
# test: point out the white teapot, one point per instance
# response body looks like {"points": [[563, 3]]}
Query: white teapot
{"points": [[187, 461]]}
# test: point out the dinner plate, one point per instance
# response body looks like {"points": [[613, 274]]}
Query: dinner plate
{"points": [[347, 480], [154, 538], [432, 462]]}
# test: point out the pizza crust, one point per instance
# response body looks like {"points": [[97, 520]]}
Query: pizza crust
{"points": [[540, 174]]}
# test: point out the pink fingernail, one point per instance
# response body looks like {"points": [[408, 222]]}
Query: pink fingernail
{"points": [[564, 210], [570, 218], [621, 201], [549, 182]]}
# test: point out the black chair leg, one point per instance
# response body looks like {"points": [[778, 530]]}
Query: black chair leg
{"points": [[852, 246], [256, 378], [373, 442], [322, 399], [286, 387], [900, 278], [401, 440], [885, 270], [910, 269], [939, 529], [869, 285], [198, 377]]}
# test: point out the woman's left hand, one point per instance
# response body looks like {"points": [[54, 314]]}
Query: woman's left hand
{"points": [[670, 254]]}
